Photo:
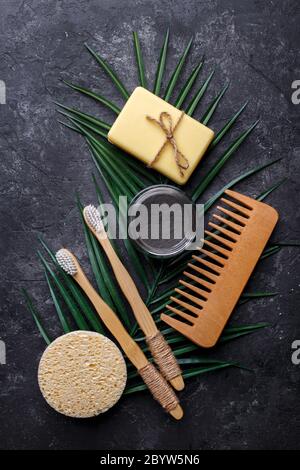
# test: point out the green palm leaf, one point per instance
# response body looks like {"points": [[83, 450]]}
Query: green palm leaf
{"points": [[270, 251], [139, 60], [287, 243], [214, 171], [268, 191], [222, 132], [196, 99], [176, 73], [188, 85], [137, 169], [85, 123], [255, 295], [101, 165], [95, 96], [186, 374], [112, 75], [233, 182], [85, 117], [213, 106], [161, 65], [117, 169], [125, 174], [129, 186], [100, 155], [36, 316], [62, 318]]}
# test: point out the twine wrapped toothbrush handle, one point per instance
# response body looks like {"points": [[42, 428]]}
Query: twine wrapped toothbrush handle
{"points": [[159, 388], [163, 356]]}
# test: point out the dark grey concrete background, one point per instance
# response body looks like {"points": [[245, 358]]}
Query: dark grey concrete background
{"points": [[255, 45]]}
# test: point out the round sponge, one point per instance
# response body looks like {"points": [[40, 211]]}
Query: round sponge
{"points": [[82, 374]]}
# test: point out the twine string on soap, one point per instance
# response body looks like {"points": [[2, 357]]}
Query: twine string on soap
{"points": [[181, 161], [163, 356], [160, 389]]}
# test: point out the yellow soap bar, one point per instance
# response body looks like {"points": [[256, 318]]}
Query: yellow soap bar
{"points": [[143, 139]]}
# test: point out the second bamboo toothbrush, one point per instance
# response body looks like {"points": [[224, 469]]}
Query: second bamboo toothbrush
{"points": [[158, 386], [158, 346]]}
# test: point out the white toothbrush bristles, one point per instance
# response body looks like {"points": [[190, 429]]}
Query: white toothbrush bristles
{"points": [[93, 218], [66, 262]]}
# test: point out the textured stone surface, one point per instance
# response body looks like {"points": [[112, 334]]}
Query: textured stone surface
{"points": [[254, 46]]}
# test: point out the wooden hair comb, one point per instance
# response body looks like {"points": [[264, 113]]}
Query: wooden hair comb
{"points": [[217, 280]]}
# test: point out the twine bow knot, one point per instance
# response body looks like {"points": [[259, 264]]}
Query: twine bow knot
{"points": [[165, 122]]}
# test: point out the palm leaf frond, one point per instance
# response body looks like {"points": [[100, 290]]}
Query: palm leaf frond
{"points": [[84, 116], [268, 191], [161, 65], [233, 182], [213, 106], [110, 72], [32, 309], [214, 171], [91, 94], [85, 123], [196, 99], [139, 60], [188, 85], [62, 318], [174, 78], [222, 132]]}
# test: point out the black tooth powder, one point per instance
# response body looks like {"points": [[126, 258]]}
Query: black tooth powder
{"points": [[164, 225]]}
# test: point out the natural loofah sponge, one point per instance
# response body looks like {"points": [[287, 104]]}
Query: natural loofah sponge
{"points": [[82, 374]]}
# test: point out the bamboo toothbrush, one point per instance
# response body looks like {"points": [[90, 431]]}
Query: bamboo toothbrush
{"points": [[157, 385], [158, 346]]}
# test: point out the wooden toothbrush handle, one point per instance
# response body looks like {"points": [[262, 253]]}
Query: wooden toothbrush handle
{"points": [[160, 350], [113, 324], [130, 290]]}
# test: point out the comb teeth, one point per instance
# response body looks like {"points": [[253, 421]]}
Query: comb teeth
{"points": [[208, 264], [189, 307], [93, 218], [217, 248], [66, 262], [212, 277], [178, 325], [224, 231], [244, 201], [192, 287], [242, 210], [228, 244], [237, 228], [233, 215], [180, 313], [185, 294], [210, 254]]}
